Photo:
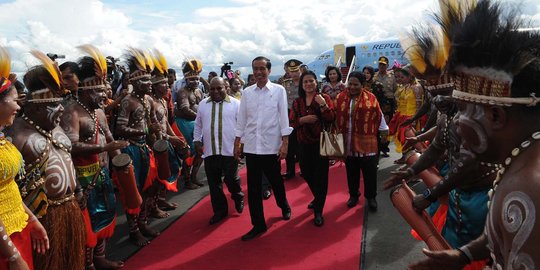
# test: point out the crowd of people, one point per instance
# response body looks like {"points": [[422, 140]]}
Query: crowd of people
{"points": [[72, 134]]}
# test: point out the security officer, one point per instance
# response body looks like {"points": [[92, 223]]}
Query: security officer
{"points": [[385, 95], [292, 67]]}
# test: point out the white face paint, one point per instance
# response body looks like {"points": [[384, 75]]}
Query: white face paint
{"points": [[470, 119], [54, 112]]}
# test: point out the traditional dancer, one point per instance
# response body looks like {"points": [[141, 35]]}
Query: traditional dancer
{"points": [[85, 124], [462, 214], [50, 183], [187, 103], [137, 124], [497, 75], [176, 144]]}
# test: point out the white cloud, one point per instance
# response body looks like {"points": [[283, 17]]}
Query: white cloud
{"points": [[234, 30]]}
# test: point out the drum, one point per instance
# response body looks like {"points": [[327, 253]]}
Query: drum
{"points": [[127, 183], [161, 153], [402, 198]]}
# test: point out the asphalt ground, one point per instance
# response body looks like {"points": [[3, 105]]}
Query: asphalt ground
{"points": [[387, 242]]}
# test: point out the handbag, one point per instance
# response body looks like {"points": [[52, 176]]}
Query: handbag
{"points": [[331, 143]]}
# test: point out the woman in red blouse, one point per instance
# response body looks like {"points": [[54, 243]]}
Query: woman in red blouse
{"points": [[309, 112], [359, 118]]}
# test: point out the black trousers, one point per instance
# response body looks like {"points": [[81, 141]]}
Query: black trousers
{"points": [[292, 153], [368, 167], [315, 170], [270, 165], [215, 167]]}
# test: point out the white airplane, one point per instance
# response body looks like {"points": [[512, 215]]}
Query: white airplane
{"points": [[358, 55]]}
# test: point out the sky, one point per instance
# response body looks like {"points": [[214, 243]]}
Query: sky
{"points": [[213, 31]]}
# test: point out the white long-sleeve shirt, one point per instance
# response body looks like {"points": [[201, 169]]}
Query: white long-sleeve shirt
{"points": [[214, 126], [263, 119]]}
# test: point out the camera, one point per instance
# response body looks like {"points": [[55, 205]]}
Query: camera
{"points": [[54, 56], [226, 69], [226, 66]]}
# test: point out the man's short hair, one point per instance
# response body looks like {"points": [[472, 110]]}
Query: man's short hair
{"points": [[258, 58]]}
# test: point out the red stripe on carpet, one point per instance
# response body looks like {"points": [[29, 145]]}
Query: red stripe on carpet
{"points": [[190, 243]]}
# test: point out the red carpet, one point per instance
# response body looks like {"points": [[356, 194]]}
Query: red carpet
{"points": [[190, 243]]}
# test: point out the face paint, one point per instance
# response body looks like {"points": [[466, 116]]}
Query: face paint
{"points": [[470, 118], [54, 111]]}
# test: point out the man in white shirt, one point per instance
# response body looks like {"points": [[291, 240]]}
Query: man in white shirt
{"points": [[263, 125], [214, 129]]}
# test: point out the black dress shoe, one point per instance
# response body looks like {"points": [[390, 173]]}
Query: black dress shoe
{"points": [[319, 220], [216, 218], [239, 205], [372, 204], [253, 233], [385, 154], [352, 202], [311, 205], [286, 213], [266, 194]]}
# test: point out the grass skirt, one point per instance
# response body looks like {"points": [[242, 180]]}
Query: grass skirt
{"points": [[66, 230]]}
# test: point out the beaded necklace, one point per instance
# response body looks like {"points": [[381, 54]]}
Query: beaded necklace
{"points": [[513, 154], [47, 134], [94, 118]]}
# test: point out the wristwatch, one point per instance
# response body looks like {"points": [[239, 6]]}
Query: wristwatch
{"points": [[428, 195]]}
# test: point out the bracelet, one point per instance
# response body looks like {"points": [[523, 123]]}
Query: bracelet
{"points": [[464, 251]]}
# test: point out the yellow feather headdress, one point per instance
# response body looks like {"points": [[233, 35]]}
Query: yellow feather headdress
{"points": [[100, 61], [5, 68], [50, 78], [140, 63], [159, 74], [160, 62], [192, 68], [427, 47]]}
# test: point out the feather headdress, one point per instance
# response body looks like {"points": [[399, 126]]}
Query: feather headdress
{"points": [[428, 47], [160, 71], [93, 69], [140, 64], [5, 68], [491, 61], [100, 61], [46, 75], [192, 68]]}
